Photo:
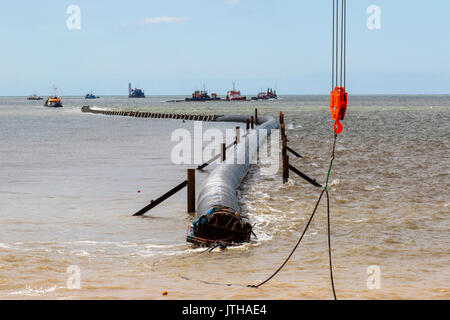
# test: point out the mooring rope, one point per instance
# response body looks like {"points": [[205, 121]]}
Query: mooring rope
{"points": [[295, 248], [329, 245]]}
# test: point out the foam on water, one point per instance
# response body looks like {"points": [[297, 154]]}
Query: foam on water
{"points": [[33, 292]]}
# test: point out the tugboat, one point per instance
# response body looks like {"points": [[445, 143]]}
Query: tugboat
{"points": [[234, 95], [91, 96], [135, 93], [53, 101], [269, 94], [203, 96], [34, 97]]}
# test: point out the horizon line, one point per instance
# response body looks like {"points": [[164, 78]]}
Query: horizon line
{"points": [[284, 94]]}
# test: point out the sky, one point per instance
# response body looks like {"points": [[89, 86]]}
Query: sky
{"points": [[173, 47]]}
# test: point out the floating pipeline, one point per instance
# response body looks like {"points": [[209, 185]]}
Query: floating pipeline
{"points": [[153, 115], [218, 220]]}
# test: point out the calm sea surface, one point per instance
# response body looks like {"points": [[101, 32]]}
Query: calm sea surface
{"points": [[69, 185]]}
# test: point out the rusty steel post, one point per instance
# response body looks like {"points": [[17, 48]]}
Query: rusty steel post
{"points": [[285, 168], [224, 152], [191, 190]]}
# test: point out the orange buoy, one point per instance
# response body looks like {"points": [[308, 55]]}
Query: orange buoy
{"points": [[164, 293]]}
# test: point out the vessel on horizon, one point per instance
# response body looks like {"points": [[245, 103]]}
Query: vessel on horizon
{"points": [[234, 95], [203, 96], [269, 94], [35, 97], [91, 96], [135, 93], [54, 101]]}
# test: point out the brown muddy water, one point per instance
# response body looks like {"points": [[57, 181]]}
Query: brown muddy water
{"points": [[69, 182]]}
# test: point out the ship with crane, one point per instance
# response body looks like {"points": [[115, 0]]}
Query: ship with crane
{"points": [[269, 94], [232, 95], [235, 95], [202, 95]]}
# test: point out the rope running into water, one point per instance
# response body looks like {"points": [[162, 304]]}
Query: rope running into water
{"points": [[325, 190]]}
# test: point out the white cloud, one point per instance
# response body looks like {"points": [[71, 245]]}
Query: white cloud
{"points": [[156, 20]]}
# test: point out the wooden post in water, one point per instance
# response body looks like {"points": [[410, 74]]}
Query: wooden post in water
{"points": [[190, 190], [238, 134], [248, 125], [256, 116], [252, 123], [285, 168]]}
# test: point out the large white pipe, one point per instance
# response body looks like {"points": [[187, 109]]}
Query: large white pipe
{"points": [[220, 187]]}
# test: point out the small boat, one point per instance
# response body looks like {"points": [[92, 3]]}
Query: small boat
{"points": [[54, 101], [135, 93], [35, 97], [234, 95], [269, 94], [91, 96]]}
